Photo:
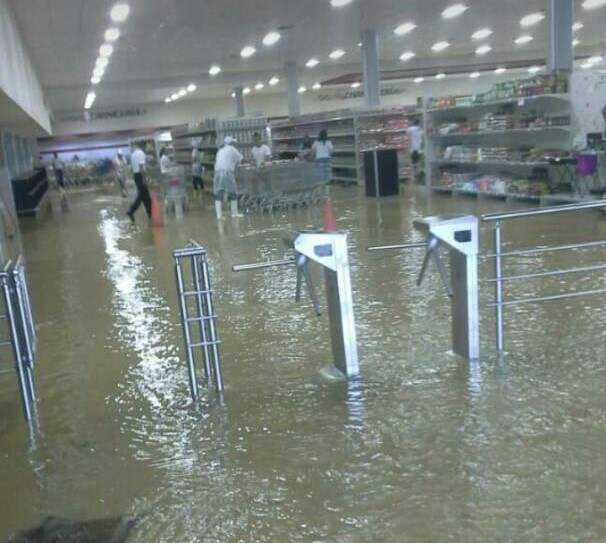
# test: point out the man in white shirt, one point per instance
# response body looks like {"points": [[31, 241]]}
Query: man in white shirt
{"points": [[228, 157], [415, 145], [196, 169], [261, 152], [59, 168], [137, 165]]}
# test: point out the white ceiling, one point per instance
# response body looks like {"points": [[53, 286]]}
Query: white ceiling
{"points": [[166, 44]]}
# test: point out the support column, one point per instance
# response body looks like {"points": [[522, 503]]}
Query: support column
{"points": [[292, 80], [370, 55], [560, 52], [240, 109]]}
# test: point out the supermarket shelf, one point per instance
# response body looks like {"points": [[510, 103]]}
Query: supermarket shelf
{"points": [[402, 148], [346, 165], [344, 178], [312, 122], [512, 100], [371, 131], [194, 133], [379, 114], [489, 163], [330, 136], [257, 128], [482, 194], [507, 131], [442, 189]]}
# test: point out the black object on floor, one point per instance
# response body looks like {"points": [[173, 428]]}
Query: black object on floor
{"points": [[381, 172]]}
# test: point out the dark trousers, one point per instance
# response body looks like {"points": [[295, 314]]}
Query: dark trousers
{"points": [[143, 196], [198, 183]]}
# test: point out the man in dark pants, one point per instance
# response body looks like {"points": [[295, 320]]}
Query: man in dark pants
{"points": [[137, 164]]}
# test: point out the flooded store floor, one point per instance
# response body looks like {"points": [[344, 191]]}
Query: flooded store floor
{"points": [[423, 448]]}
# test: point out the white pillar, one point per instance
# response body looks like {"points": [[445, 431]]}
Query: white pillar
{"points": [[240, 109], [560, 52], [370, 55], [292, 81]]}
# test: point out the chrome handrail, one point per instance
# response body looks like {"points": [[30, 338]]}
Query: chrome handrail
{"points": [[543, 211]]}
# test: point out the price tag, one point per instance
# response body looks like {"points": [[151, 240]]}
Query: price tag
{"points": [[521, 102]]}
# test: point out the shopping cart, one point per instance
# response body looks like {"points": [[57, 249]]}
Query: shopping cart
{"points": [[280, 185], [173, 186]]}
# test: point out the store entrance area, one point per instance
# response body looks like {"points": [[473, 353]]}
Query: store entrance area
{"points": [[424, 447]]}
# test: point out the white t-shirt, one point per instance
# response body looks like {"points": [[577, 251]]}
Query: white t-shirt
{"points": [[415, 138], [196, 162], [58, 164], [137, 161], [165, 163], [228, 157], [261, 154], [322, 149]]}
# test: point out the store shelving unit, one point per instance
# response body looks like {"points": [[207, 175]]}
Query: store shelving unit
{"points": [[154, 143], [204, 136], [243, 130], [351, 131], [499, 144]]}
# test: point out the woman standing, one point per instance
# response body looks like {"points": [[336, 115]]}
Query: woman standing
{"points": [[322, 153]]}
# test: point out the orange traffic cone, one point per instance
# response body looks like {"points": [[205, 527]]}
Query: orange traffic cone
{"points": [[156, 215], [330, 224]]}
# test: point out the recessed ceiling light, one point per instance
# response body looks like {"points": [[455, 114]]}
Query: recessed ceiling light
{"points": [[182, 93], [577, 26], [168, 100], [302, 89], [317, 86], [356, 85], [274, 81], [481, 34], [259, 86], [440, 76], [112, 34], [91, 96], [119, 12], [405, 28], [191, 87], [312, 63], [102, 63], [586, 65], [593, 4], [523, 40], [454, 11], [233, 94], [440, 46], [576, 42], [248, 51], [474, 75], [337, 54], [95, 80], [407, 56], [500, 70], [106, 50], [483, 50], [360, 44], [534, 69], [339, 3], [214, 70], [98, 72], [174, 96], [246, 91], [532, 19], [595, 59], [419, 79], [271, 38]]}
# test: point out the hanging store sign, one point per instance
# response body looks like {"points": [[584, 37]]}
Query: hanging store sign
{"points": [[109, 114]]}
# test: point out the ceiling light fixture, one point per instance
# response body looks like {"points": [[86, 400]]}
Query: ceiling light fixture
{"points": [[246, 91], [119, 12], [317, 86], [274, 81], [593, 4], [182, 93], [106, 50], [337, 54], [339, 3], [214, 70], [532, 19], [440, 76], [302, 89], [191, 87], [483, 50], [112, 34], [259, 86], [577, 26], [500, 70], [454, 11], [95, 80], [523, 40], [168, 100], [404, 57], [576, 42], [440, 46], [312, 63], [356, 85], [271, 38], [174, 96], [474, 75], [481, 34], [101, 63], [534, 69], [248, 51], [405, 28], [419, 79], [98, 72]]}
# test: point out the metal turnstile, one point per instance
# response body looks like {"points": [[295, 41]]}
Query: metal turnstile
{"points": [[329, 249], [461, 236]]}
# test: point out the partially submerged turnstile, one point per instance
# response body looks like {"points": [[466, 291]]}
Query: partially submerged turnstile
{"points": [[329, 249], [461, 236]]}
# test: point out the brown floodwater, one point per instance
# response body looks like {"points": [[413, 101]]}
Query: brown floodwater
{"points": [[425, 447]]}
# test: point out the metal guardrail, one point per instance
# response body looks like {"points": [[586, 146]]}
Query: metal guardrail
{"points": [[500, 279], [17, 312], [194, 284]]}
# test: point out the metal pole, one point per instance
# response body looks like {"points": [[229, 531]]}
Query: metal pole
{"points": [[544, 211], [263, 265], [560, 51], [372, 76], [201, 315], [376, 167], [212, 327], [240, 107], [292, 82], [23, 318], [498, 265], [193, 382], [398, 247]]}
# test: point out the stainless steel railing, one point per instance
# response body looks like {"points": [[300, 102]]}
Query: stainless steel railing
{"points": [[500, 279]]}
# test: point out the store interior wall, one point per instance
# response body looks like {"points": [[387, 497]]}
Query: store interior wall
{"points": [[10, 239]]}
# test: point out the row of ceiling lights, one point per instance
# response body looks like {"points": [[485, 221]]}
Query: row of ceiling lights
{"points": [[118, 14]]}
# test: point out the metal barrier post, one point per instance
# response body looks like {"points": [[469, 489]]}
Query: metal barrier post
{"points": [[212, 327], [498, 265]]}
